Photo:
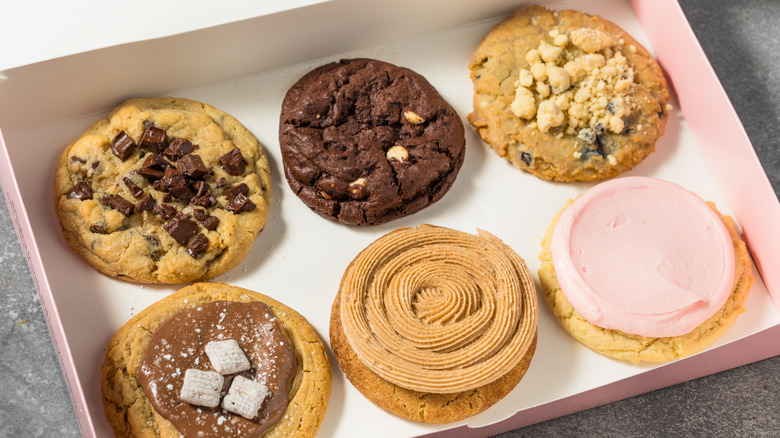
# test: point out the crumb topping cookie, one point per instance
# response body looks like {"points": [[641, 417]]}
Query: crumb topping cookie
{"points": [[179, 350], [433, 324], [567, 96], [365, 142], [164, 190]]}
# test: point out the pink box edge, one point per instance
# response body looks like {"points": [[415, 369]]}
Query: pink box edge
{"points": [[24, 234], [718, 131], [746, 210]]}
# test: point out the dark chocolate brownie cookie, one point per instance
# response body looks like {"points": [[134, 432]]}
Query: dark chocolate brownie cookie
{"points": [[364, 142]]}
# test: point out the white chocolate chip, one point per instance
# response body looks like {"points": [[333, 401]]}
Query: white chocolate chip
{"points": [[611, 159], [413, 117], [397, 152]]}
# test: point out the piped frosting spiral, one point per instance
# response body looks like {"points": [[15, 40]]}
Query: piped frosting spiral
{"points": [[437, 310]]}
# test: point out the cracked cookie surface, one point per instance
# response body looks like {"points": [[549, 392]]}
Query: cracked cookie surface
{"points": [[567, 96], [637, 348], [131, 414], [365, 142], [165, 190]]}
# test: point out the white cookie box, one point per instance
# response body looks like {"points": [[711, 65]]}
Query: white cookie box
{"points": [[242, 57]]}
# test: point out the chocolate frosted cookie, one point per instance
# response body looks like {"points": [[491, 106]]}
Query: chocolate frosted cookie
{"points": [[364, 142], [164, 190], [567, 96], [214, 360]]}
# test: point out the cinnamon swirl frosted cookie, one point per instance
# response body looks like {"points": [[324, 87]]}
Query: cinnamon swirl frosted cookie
{"points": [[433, 324]]}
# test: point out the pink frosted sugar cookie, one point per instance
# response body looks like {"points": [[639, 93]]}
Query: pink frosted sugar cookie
{"points": [[641, 269]]}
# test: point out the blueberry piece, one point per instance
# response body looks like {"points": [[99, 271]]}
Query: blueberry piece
{"points": [[526, 157], [587, 135]]}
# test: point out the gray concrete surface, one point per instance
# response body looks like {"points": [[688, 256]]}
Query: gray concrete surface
{"points": [[742, 41]]}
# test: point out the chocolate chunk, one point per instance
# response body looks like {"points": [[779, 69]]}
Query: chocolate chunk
{"points": [[122, 146], [80, 190], [155, 250], [171, 178], [145, 204], [75, 159], [239, 204], [100, 228], [203, 195], [165, 211], [180, 192], [174, 183], [95, 164], [234, 191], [199, 214], [118, 203], [178, 148], [136, 191], [153, 167], [233, 162], [210, 222], [154, 139], [181, 228], [198, 245], [222, 182], [192, 166]]}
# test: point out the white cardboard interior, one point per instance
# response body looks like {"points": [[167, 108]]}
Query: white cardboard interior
{"points": [[250, 66]]}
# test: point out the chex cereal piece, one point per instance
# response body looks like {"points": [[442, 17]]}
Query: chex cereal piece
{"points": [[227, 357], [245, 397], [201, 388]]}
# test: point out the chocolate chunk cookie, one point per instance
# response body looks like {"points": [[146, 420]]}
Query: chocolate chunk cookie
{"points": [[567, 96], [364, 142], [164, 190]]}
